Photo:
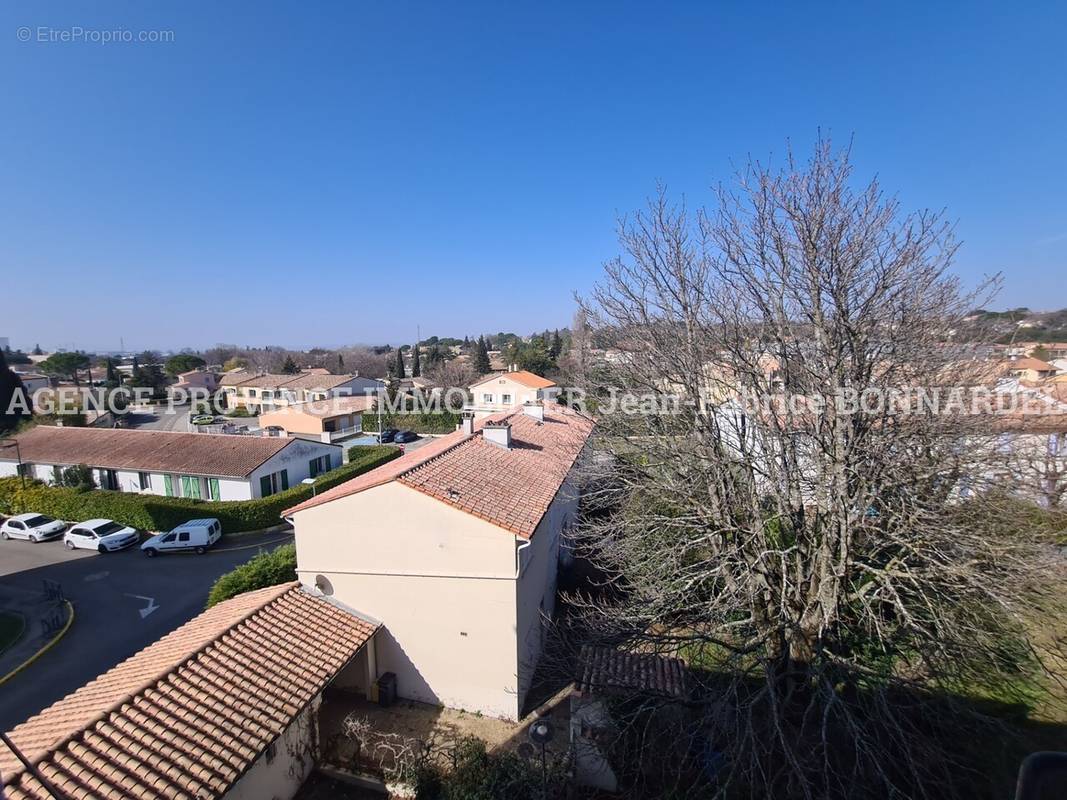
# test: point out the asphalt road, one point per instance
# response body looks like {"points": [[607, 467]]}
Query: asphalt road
{"points": [[123, 602]]}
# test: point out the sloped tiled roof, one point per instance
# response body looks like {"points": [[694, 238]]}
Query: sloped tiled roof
{"points": [[525, 377], [185, 717], [1035, 364], [608, 670], [234, 377], [511, 488], [148, 451]]}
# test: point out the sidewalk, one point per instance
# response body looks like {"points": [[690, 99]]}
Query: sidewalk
{"points": [[46, 616]]}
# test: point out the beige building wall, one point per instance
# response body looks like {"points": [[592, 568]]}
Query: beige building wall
{"points": [[279, 772], [442, 582]]}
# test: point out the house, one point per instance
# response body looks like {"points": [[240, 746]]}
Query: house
{"points": [[224, 706], [197, 380], [320, 420], [33, 382], [504, 390], [604, 673], [264, 392], [454, 547], [1029, 369], [198, 465]]}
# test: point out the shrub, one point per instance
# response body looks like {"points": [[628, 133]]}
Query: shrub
{"points": [[155, 513], [78, 477], [428, 422], [266, 569]]}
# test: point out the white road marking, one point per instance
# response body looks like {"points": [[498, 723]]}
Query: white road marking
{"points": [[147, 609]]}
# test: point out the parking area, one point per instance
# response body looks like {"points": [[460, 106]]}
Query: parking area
{"points": [[123, 601]]}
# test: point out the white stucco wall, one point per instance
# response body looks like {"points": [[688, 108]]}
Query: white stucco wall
{"points": [[293, 760], [295, 458], [441, 581]]}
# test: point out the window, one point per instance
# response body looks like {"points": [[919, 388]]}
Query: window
{"points": [[191, 487], [274, 483], [487, 398], [183, 536], [317, 466], [25, 470], [167, 539], [144, 480], [505, 399], [213, 488], [17, 525], [251, 392], [267, 394]]}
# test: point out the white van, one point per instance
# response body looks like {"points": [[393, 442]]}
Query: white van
{"points": [[196, 534]]}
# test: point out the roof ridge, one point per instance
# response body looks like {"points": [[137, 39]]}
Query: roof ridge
{"points": [[96, 719]]}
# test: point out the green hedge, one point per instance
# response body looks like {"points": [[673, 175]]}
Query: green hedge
{"points": [[266, 569], [431, 422], [155, 513]]}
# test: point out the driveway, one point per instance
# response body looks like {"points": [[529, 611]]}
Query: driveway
{"points": [[159, 420], [123, 602]]}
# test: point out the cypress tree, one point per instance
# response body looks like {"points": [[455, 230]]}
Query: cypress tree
{"points": [[416, 362]]}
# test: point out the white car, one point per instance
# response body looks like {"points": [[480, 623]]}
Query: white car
{"points": [[35, 527], [104, 535]]}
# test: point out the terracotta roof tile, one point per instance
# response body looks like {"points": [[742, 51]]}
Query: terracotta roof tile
{"points": [[150, 451], [185, 717], [606, 669], [511, 488], [525, 377]]}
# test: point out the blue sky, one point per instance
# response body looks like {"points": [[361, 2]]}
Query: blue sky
{"points": [[333, 173]]}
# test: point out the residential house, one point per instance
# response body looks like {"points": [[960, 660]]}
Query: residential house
{"points": [[264, 392], [33, 382], [199, 381], [1029, 369], [505, 390], [454, 547], [225, 706], [198, 465], [320, 420]]}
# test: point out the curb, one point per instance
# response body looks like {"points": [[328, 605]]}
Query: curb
{"points": [[279, 540], [55, 639]]}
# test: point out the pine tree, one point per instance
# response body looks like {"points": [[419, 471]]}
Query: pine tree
{"points": [[37, 351], [481, 358], [340, 363], [112, 379], [416, 362], [398, 370], [290, 367], [557, 345]]}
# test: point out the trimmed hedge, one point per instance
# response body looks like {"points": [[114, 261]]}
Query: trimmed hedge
{"points": [[430, 422], [266, 569], [156, 513]]}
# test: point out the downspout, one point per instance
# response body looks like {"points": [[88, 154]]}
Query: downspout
{"points": [[518, 558]]}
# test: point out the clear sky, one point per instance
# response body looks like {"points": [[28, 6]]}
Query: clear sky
{"points": [[328, 173]]}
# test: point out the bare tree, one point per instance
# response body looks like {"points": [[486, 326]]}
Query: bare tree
{"points": [[808, 555], [453, 374]]}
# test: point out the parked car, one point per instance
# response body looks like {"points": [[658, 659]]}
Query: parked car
{"points": [[196, 535], [104, 535], [403, 437], [387, 435], [203, 419], [34, 527]]}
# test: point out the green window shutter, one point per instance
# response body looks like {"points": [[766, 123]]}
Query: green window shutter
{"points": [[264, 486], [168, 485], [285, 479], [213, 488]]}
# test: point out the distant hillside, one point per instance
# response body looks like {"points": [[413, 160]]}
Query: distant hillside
{"points": [[1016, 324]]}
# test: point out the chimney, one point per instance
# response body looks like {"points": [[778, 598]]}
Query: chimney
{"points": [[535, 409], [467, 425], [499, 433]]}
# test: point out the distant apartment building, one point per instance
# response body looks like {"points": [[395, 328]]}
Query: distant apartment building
{"points": [[196, 465], [502, 391], [264, 392], [197, 380], [320, 420], [1028, 368], [454, 547]]}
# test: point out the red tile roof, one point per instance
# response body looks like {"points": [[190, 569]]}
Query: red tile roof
{"points": [[186, 717], [522, 376], [219, 454], [606, 669], [511, 488]]}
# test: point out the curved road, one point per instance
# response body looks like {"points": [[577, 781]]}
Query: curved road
{"points": [[113, 616]]}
